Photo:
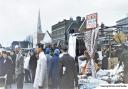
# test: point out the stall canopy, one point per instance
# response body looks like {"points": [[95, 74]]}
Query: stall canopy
{"points": [[47, 38]]}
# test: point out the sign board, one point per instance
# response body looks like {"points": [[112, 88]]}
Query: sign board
{"points": [[91, 21]]}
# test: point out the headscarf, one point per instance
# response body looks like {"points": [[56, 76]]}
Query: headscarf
{"points": [[56, 52], [47, 50], [56, 55]]}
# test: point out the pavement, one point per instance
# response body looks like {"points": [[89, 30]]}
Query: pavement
{"points": [[26, 86]]}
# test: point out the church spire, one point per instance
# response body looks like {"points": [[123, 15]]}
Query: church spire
{"points": [[39, 29]]}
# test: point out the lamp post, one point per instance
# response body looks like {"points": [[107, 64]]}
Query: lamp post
{"points": [[109, 44]]}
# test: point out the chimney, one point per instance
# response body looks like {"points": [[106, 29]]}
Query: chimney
{"points": [[71, 19], [78, 19]]}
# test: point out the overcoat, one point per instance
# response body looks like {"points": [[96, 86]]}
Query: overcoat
{"points": [[41, 78]]}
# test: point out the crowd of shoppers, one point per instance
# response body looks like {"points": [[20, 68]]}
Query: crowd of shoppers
{"points": [[46, 68], [52, 67]]}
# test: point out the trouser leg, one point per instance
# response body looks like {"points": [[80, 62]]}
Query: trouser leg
{"points": [[20, 80], [26, 75], [33, 75], [29, 76]]}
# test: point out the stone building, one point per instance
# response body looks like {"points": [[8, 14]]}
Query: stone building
{"points": [[61, 30]]}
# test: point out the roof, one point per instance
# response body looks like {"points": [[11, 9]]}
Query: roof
{"points": [[121, 20], [60, 23], [47, 38]]}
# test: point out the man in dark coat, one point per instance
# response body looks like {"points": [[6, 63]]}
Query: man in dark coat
{"points": [[13, 55], [67, 70], [8, 67], [33, 65]]}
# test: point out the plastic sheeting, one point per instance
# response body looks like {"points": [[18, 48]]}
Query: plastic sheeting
{"points": [[72, 46], [102, 77], [112, 75], [90, 83]]}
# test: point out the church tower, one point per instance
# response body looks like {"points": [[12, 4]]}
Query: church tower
{"points": [[39, 28], [38, 35]]}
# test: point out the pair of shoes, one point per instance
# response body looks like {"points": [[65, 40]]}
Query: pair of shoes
{"points": [[31, 82], [26, 82]]}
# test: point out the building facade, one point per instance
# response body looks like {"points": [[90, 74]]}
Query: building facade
{"points": [[22, 44], [61, 30], [123, 22]]}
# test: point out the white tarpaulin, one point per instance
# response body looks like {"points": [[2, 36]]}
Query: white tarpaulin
{"points": [[72, 46], [2, 49], [47, 39], [90, 41]]}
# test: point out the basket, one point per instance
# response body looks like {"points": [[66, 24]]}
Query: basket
{"points": [[3, 80]]}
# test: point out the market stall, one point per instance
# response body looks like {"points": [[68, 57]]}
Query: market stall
{"points": [[112, 76], [93, 75]]}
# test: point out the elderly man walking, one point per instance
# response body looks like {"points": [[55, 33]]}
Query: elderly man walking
{"points": [[19, 70]]}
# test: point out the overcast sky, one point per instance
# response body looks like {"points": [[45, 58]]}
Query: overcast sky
{"points": [[18, 18]]}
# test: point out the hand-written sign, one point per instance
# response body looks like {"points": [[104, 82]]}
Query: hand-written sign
{"points": [[91, 21]]}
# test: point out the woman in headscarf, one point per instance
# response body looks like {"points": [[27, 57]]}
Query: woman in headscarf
{"points": [[49, 63], [55, 69]]}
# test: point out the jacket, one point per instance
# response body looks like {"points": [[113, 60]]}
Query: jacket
{"points": [[67, 72], [33, 62], [19, 69], [26, 63]]}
